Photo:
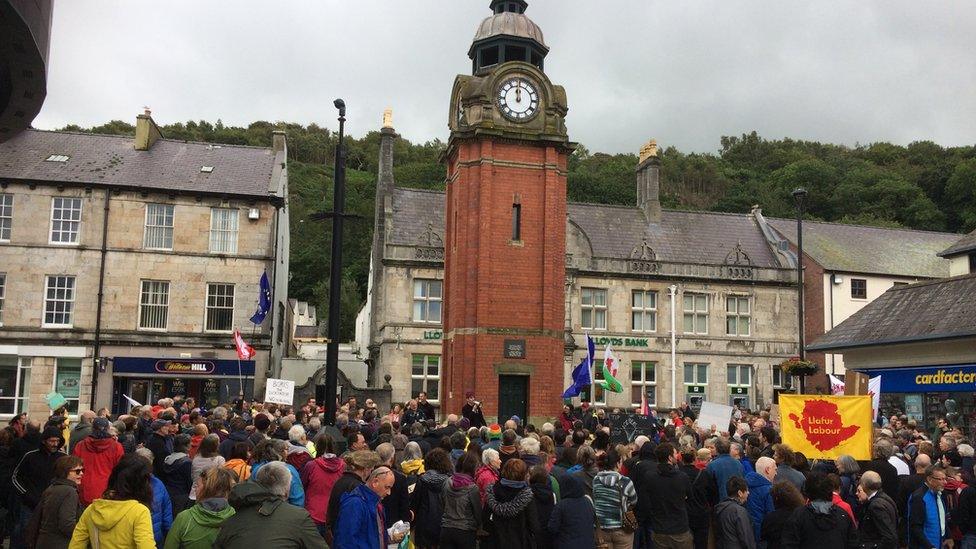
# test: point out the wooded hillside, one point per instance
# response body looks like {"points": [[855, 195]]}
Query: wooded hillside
{"points": [[921, 186]]}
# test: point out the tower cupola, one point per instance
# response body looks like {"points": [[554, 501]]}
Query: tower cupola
{"points": [[508, 35]]}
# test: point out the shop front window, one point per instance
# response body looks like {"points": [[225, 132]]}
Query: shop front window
{"points": [[14, 384], [67, 381]]}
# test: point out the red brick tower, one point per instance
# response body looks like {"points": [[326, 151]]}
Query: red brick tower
{"points": [[504, 294]]}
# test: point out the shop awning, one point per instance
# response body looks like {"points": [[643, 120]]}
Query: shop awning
{"points": [[190, 367], [953, 378]]}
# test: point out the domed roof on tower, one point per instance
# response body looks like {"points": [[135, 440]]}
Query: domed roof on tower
{"points": [[508, 35]]}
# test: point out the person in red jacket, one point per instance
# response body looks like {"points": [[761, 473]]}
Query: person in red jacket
{"points": [[318, 477], [100, 453]]}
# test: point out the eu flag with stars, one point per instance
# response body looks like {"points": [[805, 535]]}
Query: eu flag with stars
{"points": [[264, 300]]}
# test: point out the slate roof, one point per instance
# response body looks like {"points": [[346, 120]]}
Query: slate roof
{"points": [[932, 310], [169, 165], [871, 250], [307, 332], [613, 231], [963, 245]]}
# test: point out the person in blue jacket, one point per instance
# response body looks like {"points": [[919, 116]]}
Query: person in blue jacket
{"points": [[360, 524], [928, 522], [273, 449], [760, 501], [162, 507], [571, 521], [721, 469]]}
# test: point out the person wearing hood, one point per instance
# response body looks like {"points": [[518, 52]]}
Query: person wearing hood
{"points": [[161, 443], [298, 454], [545, 500], [100, 453], [274, 449], [487, 473], [819, 523], [512, 520], [361, 525], [462, 507], [81, 430], [207, 458], [198, 526], [760, 502], [237, 434], [33, 473], [121, 518], [613, 494], [56, 514], [571, 522], [177, 474], [358, 466], [426, 502], [239, 461], [662, 507], [733, 527], [263, 518]]}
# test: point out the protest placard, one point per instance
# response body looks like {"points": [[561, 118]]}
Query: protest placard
{"points": [[280, 391]]}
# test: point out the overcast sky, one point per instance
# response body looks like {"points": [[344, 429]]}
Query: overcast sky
{"points": [[685, 73]]}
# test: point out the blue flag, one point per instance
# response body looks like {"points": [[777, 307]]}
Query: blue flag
{"points": [[264, 300], [582, 379]]}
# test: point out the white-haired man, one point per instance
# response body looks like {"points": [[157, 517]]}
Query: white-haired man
{"points": [[264, 517]]}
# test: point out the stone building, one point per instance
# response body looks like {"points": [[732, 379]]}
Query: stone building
{"points": [[126, 264]]}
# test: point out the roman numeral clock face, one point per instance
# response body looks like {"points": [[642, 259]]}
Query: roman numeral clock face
{"points": [[518, 99]]}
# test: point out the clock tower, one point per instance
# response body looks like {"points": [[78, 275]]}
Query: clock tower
{"points": [[504, 277]]}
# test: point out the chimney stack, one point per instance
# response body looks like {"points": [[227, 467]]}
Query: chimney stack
{"points": [[384, 182], [147, 132], [649, 182]]}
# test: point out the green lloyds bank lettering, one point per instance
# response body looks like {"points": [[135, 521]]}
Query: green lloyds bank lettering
{"points": [[433, 334], [623, 341]]}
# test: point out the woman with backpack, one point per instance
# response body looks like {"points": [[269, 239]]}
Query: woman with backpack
{"points": [[427, 500], [613, 496]]}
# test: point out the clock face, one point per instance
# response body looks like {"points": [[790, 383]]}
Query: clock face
{"points": [[518, 99]]}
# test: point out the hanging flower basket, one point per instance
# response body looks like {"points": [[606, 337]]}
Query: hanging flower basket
{"points": [[797, 367]]}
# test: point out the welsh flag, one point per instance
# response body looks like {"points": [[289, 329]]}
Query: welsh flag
{"points": [[610, 366], [244, 351]]}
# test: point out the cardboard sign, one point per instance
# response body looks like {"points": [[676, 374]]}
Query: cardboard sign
{"points": [[280, 391], [715, 414], [624, 428]]}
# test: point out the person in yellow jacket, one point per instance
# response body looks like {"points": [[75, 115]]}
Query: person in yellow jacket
{"points": [[121, 519]]}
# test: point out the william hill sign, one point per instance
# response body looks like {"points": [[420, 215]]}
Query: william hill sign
{"points": [[185, 367]]}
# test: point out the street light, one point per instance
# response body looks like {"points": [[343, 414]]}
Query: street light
{"points": [[335, 271], [800, 196]]}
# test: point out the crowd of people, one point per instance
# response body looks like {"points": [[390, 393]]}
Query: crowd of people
{"points": [[248, 475]]}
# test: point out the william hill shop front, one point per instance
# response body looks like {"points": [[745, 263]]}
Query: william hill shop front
{"points": [[209, 381]]}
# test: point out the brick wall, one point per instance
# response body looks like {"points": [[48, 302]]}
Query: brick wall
{"points": [[496, 288]]}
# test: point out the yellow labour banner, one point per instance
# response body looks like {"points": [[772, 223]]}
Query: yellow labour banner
{"points": [[825, 427]]}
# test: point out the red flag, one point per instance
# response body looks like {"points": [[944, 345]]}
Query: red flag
{"points": [[244, 351]]}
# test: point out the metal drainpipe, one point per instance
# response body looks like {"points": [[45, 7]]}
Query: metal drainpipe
{"points": [[97, 350], [673, 290]]}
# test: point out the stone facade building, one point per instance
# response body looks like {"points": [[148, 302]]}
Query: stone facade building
{"points": [[125, 266], [734, 302]]}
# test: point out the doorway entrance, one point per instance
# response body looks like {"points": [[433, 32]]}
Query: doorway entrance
{"points": [[513, 397]]}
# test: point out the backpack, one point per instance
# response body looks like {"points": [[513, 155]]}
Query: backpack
{"points": [[430, 510]]}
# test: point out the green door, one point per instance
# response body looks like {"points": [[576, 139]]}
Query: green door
{"points": [[513, 397]]}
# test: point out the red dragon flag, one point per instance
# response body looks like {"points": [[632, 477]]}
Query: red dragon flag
{"points": [[244, 351]]}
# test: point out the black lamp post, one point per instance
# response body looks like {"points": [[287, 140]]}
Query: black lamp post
{"points": [[800, 196], [335, 272]]}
